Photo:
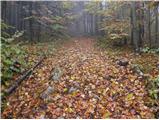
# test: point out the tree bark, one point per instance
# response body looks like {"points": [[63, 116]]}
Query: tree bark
{"points": [[31, 21], [135, 28], [131, 22], [149, 28], [141, 23], [156, 27]]}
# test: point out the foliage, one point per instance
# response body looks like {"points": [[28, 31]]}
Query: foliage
{"points": [[10, 54], [67, 5], [29, 18], [3, 28], [153, 88], [17, 34], [116, 30], [150, 50], [92, 7], [57, 27], [102, 42]]}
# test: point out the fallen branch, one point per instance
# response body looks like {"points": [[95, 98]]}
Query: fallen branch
{"points": [[23, 77]]}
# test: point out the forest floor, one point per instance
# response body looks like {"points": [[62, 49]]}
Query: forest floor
{"points": [[91, 85]]}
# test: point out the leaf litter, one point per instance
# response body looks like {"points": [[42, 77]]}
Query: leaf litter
{"points": [[89, 84]]}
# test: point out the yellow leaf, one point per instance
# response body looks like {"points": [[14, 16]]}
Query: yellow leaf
{"points": [[129, 96], [72, 78], [65, 90], [70, 110], [107, 114]]}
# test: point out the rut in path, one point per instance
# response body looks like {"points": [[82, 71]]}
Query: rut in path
{"points": [[100, 88]]}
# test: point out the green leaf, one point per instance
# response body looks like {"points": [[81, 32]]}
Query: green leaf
{"points": [[7, 62], [107, 114], [129, 96], [57, 27], [65, 90]]}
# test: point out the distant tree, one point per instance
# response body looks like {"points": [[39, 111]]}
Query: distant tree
{"points": [[135, 27]]}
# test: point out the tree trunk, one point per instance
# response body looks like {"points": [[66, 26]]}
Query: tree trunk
{"points": [[156, 27], [149, 28], [91, 17], [96, 24], [31, 22], [141, 24], [101, 18], [131, 22], [4, 12], [135, 28]]}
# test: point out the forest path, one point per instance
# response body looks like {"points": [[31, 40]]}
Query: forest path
{"points": [[92, 86]]}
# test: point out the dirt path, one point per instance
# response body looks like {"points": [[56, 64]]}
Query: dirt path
{"points": [[92, 86]]}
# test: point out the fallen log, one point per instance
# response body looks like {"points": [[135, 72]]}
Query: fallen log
{"points": [[23, 77]]}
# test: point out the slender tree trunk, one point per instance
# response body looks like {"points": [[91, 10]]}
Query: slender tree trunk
{"points": [[156, 27], [135, 28], [131, 22], [21, 16], [141, 24], [39, 25], [91, 17], [149, 28], [101, 18], [31, 22], [96, 24], [4, 12], [39, 31], [84, 23]]}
